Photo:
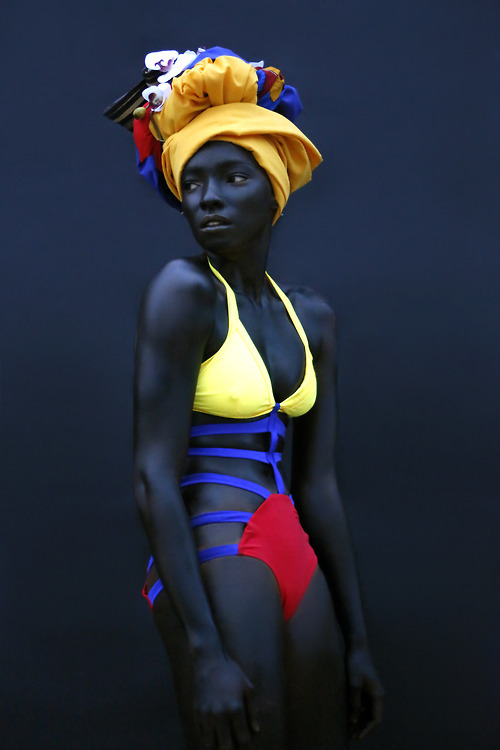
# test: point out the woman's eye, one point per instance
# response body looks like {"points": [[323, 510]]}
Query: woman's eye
{"points": [[237, 178], [189, 185]]}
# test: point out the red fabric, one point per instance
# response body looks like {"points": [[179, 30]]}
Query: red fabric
{"points": [[270, 79], [145, 595], [275, 536], [145, 141]]}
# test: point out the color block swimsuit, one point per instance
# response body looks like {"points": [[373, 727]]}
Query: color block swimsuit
{"points": [[235, 383]]}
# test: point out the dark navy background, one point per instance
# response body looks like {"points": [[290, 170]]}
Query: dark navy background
{"points": [[399, 230]]}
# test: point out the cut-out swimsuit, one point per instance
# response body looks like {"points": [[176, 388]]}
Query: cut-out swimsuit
{"points": [[273, 533]]}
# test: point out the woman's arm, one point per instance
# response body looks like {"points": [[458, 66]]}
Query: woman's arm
{"points": [[318, 502], [175, 323]]}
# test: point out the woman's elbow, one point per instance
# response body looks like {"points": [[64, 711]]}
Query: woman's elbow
{"points": [[152, 489], [142, 493]]}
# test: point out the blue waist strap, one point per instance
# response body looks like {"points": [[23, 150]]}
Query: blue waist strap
{"points": [[271, 423], [223, 550], [263, 456], [220, 516], [209, 478]]}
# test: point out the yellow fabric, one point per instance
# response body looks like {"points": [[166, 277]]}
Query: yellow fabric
{"points": [[217, 100], [234, 382], [210, 83]]}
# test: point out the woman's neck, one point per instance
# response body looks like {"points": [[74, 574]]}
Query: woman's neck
{"points": [[244, 271]]}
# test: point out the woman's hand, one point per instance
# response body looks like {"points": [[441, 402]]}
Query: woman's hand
{"points": [[224, 704], [365, 693]]}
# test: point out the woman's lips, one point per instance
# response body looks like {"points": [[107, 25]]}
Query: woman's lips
{"points": [[214, 222]]}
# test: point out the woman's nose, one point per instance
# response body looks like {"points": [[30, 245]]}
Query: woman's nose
{"points": [[211, 195]]}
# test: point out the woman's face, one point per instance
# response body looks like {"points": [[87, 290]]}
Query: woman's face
{"points": [[227, 197]]}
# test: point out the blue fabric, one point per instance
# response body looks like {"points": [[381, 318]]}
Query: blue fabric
{"points": [[272, 424], [234, 453], [223, 550], [261, 80], [154, 591], [213, 53], [220, 516], [235, 428], [210, 478], [147, 169], [287, 104]]}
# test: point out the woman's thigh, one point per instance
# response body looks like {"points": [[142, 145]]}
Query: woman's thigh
{"points": [[246, 605], [315, 676]]}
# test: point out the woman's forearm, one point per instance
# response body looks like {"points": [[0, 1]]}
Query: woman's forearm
{"points": [[170, 537], [323, 517]]}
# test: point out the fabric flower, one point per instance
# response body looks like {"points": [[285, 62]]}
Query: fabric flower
{"points": [[169, 63], [157, 95]]}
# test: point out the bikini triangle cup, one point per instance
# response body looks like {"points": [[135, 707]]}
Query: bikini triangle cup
{"points": [[234, 382]]}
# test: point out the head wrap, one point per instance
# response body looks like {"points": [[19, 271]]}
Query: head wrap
{"points": [[220, 96]]}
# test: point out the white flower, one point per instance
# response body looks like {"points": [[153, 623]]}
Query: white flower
{"points": [[161, 61], [178, 65], [170, 63], [157, 95]]}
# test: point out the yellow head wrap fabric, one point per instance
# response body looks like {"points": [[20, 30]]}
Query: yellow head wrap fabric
{"points": [[217, 100]]}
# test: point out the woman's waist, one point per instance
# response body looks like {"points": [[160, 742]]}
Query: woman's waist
{"points": [[261, 476], [212, 488]]}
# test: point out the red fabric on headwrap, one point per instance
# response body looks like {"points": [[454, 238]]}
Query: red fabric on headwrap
{"points": [[145, 142]]}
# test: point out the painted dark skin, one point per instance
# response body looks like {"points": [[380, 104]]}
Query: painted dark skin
{"points": [[244, 678]]}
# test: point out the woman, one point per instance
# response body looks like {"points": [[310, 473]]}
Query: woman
{"points": [[264, 628]]}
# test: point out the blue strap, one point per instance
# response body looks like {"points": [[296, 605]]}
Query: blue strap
{"points": [[235, 453], [274, 428], [223, 550], [220, 516], [234, 428], [154, 591], [270, 423], [242, 484]]}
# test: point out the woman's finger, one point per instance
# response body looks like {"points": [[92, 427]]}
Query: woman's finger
{"points": [[371, 712], [354, 705], [367, 729], [241, 729], [207, 733], [223, 734], [251, 708]]}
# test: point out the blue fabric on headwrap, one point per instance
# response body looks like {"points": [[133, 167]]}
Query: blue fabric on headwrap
{"points": [[287, 103], [148, 169], [213, 53]]}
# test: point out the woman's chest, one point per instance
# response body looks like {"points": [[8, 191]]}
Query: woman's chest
{"points": [[264, 335]]}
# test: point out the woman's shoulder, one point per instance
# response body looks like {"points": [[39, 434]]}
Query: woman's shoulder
{"points": [[182, 292], [181, 276], [309, 304], [315, 313]]}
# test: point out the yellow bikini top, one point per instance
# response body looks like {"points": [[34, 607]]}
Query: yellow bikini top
{"points": [[234, 382]]}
